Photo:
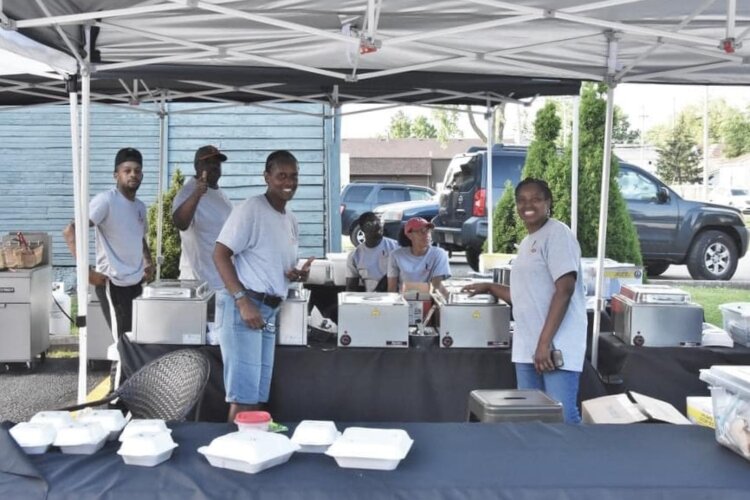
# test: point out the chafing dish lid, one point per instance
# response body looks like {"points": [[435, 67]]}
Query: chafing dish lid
{"points": [[175, 289], [465, 298]]}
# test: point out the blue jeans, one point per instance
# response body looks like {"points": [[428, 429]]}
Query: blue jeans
{"points": [[560, 385], [247, 353]]}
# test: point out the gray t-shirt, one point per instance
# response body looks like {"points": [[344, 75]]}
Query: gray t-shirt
{"points": [[410, 268], [120, 227], [370, 264], [199, 239], [543, 257], [264, 242]]}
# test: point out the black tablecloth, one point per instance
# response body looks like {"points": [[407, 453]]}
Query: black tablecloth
{"points": [[358, 384], [667, 373], [447, 461]]}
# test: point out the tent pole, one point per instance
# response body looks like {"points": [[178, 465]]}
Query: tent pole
{"points": [[574, 166], [160, 183], [603, 209], [488, 188]]}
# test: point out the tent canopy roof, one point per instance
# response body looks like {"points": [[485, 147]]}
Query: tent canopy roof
{"points": [[446, 51]]}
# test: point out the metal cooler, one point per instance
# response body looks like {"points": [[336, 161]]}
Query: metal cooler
{"points": [[370, 319], [656, 316], [478, 321], [173, 312], [513, 405], [291, 325], [25, 299]]}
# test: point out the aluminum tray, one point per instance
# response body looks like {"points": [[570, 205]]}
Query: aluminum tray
{"points": [[372, 298], [465, 298], [175, 289], [655, 294]]}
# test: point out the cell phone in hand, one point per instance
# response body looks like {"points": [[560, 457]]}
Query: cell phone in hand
{"points": [[557, 358]]}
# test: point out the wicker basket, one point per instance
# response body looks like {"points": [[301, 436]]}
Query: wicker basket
{"points": [[17, 257]]}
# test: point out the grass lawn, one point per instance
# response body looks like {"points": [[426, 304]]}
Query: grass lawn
{"points": [[710, 298]]}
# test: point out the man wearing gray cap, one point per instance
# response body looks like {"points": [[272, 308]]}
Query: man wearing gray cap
{"points": [[123, 260], [199, 211]]}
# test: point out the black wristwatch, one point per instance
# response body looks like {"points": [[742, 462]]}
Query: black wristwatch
{"points": [[239, 295]]}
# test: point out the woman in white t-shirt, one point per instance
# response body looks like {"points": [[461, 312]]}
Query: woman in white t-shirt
{"points": [[549, 308], [417, 261]]}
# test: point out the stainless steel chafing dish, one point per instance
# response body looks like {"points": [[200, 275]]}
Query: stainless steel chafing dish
{"points": [[175, 289], [481, 320]]}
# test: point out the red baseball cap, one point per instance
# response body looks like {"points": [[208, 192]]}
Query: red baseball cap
{"points": [[417, 223]]}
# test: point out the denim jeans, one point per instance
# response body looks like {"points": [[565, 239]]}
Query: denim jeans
{"points": [[560, 385], [247, 353]]}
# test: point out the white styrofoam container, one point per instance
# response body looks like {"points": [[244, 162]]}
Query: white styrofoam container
{"points": [[315, 436], [144, 426], [81, 439], [736, 318], [111, 420], [376, 449], [321, 271], [147, 449], [249, 451], [35, 439], [57, 419], [730, 397], [338, 261]]}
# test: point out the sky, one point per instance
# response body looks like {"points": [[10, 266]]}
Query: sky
{"points": [[645, 105]]}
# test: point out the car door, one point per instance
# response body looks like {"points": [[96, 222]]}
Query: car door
{"points": [[654, 216]]}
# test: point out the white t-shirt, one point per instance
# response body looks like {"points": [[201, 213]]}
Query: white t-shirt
{"points": [[264, 242], [370, 264], [199, 239], [120, 227], [410, 268], [543, 257]]}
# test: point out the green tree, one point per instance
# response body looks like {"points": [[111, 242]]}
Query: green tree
{"points": [[622, 240], [621, 131], [679, 158], [170, 268], [447, 125], [736, 134], [505, 222], [421, 128], [400, 126]]}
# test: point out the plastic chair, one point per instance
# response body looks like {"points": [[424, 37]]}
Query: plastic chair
{"points": [[166, 388]]}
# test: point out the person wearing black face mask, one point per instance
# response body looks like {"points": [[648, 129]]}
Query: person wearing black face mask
{"points": [[367, 265]]}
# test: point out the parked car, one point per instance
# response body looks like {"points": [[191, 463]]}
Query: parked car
{"points": [[709, 238], [394, 215], [733, 197], [360, 197]]}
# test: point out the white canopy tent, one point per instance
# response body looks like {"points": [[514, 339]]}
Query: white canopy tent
{"points": [[231, 52]]}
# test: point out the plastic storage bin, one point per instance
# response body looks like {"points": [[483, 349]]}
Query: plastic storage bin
{"points": [[730, 396], [513, 405], [736, 317]]}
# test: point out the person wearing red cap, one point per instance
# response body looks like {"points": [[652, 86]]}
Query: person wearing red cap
{"points": [[417, 261]]}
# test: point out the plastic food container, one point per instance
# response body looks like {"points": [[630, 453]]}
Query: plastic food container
{"points": [[315, 436], [144, 426], [253, 420], [147, 449], [377, 449], [56, 419], [249, 452], [81, 439], [35, 439], [736, 321], [730, 397], [111, 420]]}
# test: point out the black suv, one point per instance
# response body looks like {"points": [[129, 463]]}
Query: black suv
{"points": [[360, 197], [709, 238]]}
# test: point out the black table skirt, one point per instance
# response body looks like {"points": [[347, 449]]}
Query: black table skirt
{"points": [[447, 461], [358, 384]]}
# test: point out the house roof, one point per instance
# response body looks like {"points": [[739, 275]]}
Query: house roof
{"points": [[406, 148]]}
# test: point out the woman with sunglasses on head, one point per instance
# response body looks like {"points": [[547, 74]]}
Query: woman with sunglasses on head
{"points": [[367, 265], [417, 261], [549, 307]]}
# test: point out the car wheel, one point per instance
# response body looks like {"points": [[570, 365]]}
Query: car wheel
{"points": [[656, 268], [472, 258], [356, 235], [713, 256]]}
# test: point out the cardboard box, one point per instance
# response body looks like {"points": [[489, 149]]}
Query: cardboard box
{"points": [[629, 408], [700, 411]]}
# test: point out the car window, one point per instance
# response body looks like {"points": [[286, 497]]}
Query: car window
{"points": [[461, 173], [357, 194], [391, 195], [739, 192], [419, 194], [635, 186]]}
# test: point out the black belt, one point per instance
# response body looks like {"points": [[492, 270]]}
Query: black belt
{"points": [[265, 298]]}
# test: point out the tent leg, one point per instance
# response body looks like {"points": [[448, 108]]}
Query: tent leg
{"points": [[160, 184], [489, 206], [575, 142], [603, 209]]}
